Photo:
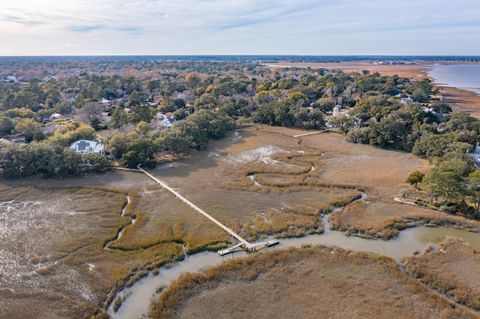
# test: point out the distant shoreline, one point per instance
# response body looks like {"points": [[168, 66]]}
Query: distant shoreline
{"points": [[253, 58], [460, 99]]}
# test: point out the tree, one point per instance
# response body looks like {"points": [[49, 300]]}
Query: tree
{"points": [[117, 144], [8, 101], [172, 140], [90, 112], [119, 118], [70, 164], [264, 97], [343, 122], [442, 108], [153, 85], [29, 128], [141, 113], [431, 183], [178, 103], [143, 128], [137, 99], [474, 182], [420, 96], [415, 178], [71, 132], [97, 163], [140, 152], [265, 114], [439, 145], [26, 99], [325, 104], [447, 179], [359, 135], [49, 160], [421, 90], [6, 126]]}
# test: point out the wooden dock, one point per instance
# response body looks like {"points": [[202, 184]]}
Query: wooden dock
{"points": [[311, 133], [243, 242]]}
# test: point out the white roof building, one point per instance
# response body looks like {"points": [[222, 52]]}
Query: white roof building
{"points": [[165, 120], [55, 116], [336, 110], [11, 79], [406, 101], [475, 154], [87, 147]]}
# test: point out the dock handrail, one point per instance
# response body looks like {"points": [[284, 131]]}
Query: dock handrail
{"points": [[198, 209]]}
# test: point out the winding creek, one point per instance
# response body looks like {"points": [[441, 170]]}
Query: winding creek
{"points": [[121, 230], [136, 299]]}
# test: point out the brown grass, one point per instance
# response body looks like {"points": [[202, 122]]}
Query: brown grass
{"points": [[72, 243], [452, 268], [418, 70], [290, 205], [314, 282], [462, 100], [376, 219]]}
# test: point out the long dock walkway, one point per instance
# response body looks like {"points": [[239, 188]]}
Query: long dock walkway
{"points": [[312, 133], [243, 241]]}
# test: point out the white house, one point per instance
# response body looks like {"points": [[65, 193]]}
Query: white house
{"points": [[106, 102], [55, 116], [336, 110], [476, 154], [166, 120], [406, 101], [87, 147], [11, 79]]}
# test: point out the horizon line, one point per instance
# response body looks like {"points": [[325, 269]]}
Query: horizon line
{"points": [[242, 55]]}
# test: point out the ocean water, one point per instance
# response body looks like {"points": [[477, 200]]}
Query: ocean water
{"points": [[462, 76]]}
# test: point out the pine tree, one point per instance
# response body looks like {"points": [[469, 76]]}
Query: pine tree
{"points": [[119, 118]]}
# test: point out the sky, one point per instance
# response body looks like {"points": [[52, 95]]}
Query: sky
{"points": [[303, 27]]}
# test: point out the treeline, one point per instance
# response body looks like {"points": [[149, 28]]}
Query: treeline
{"points": [[429, 130], [451, 185], [194, 132], [52, 157], [50, 161], [289, 112]]}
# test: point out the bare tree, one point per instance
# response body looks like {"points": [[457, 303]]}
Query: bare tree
{"points": [[90, 112]]}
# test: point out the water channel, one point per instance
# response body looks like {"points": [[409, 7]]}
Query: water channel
{"points": [[137, 297]]}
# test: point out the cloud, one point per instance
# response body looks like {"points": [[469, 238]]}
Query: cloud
{"points": [[86, 28], [26, 21], [132, 30], [239, 26]]}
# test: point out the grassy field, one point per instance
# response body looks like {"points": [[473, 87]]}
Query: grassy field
{"points": [[452, 268], [382, 174], [54, 246], [55, 233], [314, 282], [385, 220], [52, 250]]}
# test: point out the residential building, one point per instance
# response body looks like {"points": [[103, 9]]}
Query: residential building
{"points": [[87, 147]]}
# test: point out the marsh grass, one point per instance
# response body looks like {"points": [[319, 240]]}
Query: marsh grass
{"points": [[294, 171], [376, 219], [452, 269], [326, 280]]}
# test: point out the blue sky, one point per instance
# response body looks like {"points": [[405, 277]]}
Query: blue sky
{"points": [[316, 27]]}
